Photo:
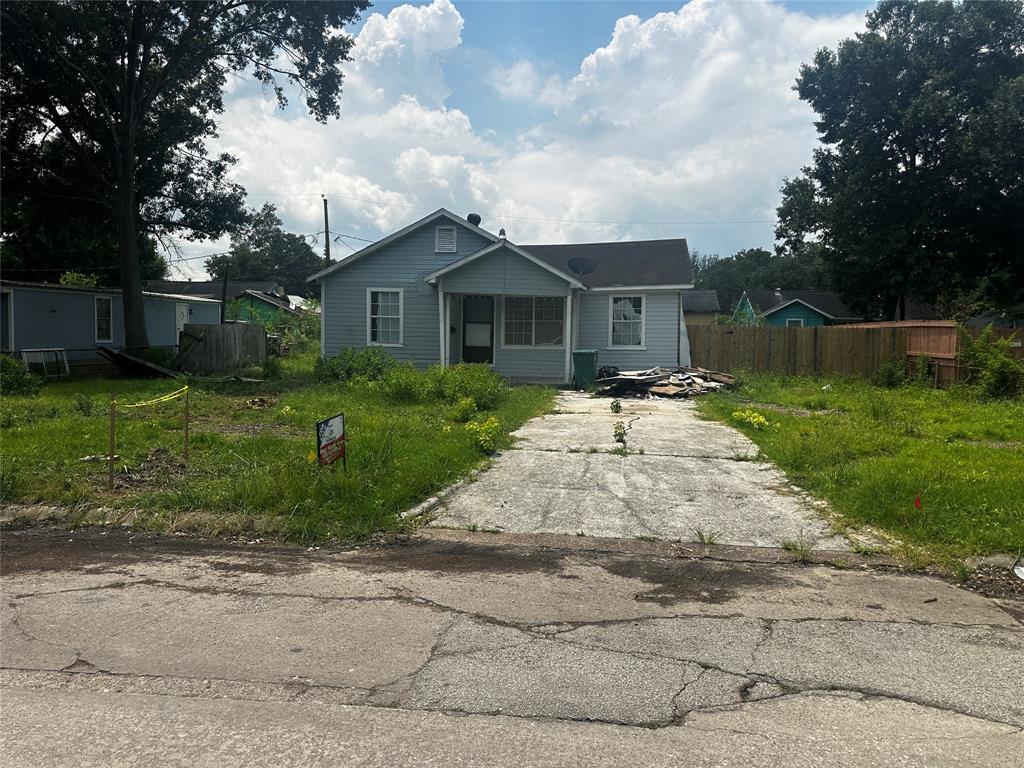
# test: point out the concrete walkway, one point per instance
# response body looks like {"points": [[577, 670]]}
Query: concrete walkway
{"points": [[682, 474], [463, 649]]}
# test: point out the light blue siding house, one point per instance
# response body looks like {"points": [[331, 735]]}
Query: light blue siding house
{"points": [[444, 290], [42, 316]]}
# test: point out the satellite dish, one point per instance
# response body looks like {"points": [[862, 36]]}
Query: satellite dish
{"points": [[581, 265]]}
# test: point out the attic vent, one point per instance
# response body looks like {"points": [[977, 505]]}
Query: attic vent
{"points": [[444, 240]]}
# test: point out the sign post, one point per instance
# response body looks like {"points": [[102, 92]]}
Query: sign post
{"points": [[330, 441], [113, 441]]}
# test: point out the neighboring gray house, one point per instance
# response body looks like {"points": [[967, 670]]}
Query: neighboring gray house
{"points": [[444, 290], [42, 316]]}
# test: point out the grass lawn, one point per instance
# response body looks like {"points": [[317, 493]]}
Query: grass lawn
{"points": [[249, 468], [872, 452]]}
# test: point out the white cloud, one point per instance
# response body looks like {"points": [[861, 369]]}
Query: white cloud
{"points": [[684, 117]]}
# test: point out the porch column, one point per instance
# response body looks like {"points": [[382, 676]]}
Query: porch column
{"points": [[567, 335], [447, 329], [441, 323]]}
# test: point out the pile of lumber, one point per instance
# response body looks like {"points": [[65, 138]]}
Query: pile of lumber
{"points": [[661, 382]]}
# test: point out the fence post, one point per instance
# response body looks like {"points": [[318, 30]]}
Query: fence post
{"points": [[113, 441], [186, 425]]}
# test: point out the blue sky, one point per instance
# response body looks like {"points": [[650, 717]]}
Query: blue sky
{"points": [[560, 121]]}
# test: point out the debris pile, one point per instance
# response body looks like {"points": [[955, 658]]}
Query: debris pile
{"points": [[661, 382]]}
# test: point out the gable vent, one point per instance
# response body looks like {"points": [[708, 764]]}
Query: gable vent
{"points": [[444, 240]]}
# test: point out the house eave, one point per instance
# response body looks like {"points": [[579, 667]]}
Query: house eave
{"points": [[373, 247]]}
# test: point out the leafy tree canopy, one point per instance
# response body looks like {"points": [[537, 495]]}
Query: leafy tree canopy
{"points": [[133, 89], [918, 189], [262, 250], [756, 268]]}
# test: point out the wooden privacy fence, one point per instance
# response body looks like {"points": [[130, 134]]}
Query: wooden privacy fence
{"points": [[798, 351], [209, 348]]}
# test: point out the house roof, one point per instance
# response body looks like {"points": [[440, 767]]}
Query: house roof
{"points": [[700, 301], [827, 303], [432, 277], [658, 263], [281, 302], [438, 214], [210, 288], [81, 289]]}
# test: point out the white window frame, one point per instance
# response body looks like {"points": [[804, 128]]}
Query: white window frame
{"points": [[643, 320], [401, 318], [794, 322], [533, 323], [96, 318], [437, 238]]}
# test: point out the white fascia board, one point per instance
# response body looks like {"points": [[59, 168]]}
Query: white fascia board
{"points": [[627, 288], [439, 213]]}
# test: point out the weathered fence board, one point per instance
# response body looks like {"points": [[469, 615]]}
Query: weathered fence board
{"points": [[801, 351], [208, 348]]}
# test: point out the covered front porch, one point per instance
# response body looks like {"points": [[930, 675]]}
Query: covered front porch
{"points": [[503, 307]]}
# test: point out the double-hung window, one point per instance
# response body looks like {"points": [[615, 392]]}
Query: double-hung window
{"points": [[534, 321], [384, 317], [626, 321], [104, 319]]}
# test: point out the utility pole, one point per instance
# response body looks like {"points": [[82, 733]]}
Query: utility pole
{"points": [[327, 236]]}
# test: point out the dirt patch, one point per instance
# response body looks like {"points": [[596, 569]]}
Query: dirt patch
{"points": [[112, 550], [996, 581]]}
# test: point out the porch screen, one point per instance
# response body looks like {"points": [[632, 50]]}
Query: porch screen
{"points": [[534, 321]]}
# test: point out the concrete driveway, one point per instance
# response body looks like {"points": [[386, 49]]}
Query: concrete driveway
{"points": [[681, 475]]}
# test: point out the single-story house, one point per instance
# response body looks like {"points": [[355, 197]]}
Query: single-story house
{"points": [[213, 289], [259, 305], [795, 308], [1009, 318], [444, 290], [44, 316], [700, 306]]}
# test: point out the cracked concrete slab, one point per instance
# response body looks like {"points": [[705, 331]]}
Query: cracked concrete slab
{"points": [[729, 655], [501, 671], [799, 731], [668, 497]]}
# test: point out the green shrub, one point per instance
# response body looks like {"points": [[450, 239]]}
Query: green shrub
{"points": [[369, 363], [464, 409], [84, 404], [891, 374], [15, 378], [486, 433], [989, 363], [404, 384], [468, 380], [272, 367]]}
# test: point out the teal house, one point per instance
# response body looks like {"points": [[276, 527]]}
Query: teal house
{"points": [[802, 309]]}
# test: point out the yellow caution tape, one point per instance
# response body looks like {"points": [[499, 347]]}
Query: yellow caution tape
{"points": [[163, 399]]}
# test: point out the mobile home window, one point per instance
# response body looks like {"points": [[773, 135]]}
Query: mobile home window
{"points": [[444, 240], [384, 317], [534, 321], [104, 319], [626, 328]]}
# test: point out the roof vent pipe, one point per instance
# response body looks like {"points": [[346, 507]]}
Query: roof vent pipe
{"points": [[501, 233], [474, 219]]}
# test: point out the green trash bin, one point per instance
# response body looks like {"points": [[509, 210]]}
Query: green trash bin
{"points": [[584, 362]]}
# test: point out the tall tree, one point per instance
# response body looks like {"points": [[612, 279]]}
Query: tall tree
{"points": [[51, 223], [134, 89], [918, 187], [262, 250]]}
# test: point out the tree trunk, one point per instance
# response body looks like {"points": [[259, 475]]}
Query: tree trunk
{"points": [[126, 212]]}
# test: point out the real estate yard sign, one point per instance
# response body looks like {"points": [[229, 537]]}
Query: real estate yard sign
{"points": [[330, 439]]}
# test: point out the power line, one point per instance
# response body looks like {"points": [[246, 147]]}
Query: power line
{"points": [[525, 218]]}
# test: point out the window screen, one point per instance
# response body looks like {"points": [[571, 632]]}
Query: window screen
{"points": [[104, 319], [627, 321]]}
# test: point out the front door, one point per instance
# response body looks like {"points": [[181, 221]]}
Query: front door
{"points": [[478, 329], [180, 318]]}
